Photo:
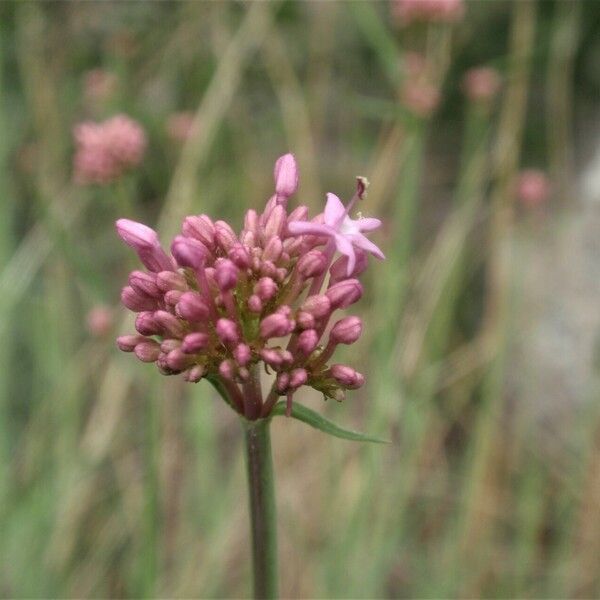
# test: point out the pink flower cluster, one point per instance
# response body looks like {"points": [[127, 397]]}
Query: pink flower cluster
{"points": [[222, 304], [435, 11], [104, 151], [533, 188], [481, 84]]}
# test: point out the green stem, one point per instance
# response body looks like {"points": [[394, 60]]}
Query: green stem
{"points": [[263, 516]]}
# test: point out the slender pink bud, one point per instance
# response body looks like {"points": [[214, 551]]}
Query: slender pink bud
{"points": [[172, 297], [225, 236], [227, 369], [275, 221], [170, 324], [195, 374], [195, 342], [255, 304], [146, 324], [171, 280], [272, 357], [286, 177], [169, 345], [251, 222], [177, 360], [298, 377], [239, 256], [347, 376], [135, 301], [275, 325], [192, 307], [228, 332], [312, 264], [273, 249], [346, 330], [305, 320], [284, 310], [307, 341], [226, 274], [265, 288], [127, 343], [282, 382], [345, 293], [242, 354], [189, 252], [147, 351], [318, 306], [268, 269], [300, 213], [200, 227], [144, 241], [339, 268], [145, 283]]}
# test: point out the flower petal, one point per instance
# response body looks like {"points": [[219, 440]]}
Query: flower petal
{"points": [[368, 224], [345, 247], [309, 228], [361, 241], [334, 211]]}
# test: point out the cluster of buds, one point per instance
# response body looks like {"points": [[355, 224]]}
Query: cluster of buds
{"points": [[406, 12], [104, 151], [222, 305]]}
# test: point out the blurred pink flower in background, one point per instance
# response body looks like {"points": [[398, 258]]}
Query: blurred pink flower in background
{"points": [[99, 85], [180, 126], [481, 84], [419, 95], [439, 11], [99, 320], [104, 151], [533, 188]]}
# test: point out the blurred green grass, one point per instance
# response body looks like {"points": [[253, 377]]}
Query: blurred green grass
{"points": [[117, 482]]}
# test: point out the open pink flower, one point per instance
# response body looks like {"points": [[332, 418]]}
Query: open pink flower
{"points": [[346, 233]]}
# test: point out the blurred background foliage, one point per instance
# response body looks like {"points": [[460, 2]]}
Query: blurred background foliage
{"points": [[118, 482]]}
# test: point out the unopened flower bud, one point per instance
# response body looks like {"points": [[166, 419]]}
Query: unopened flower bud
{"points": [[136, 301], [145, 283], [242, 354], [268, 269], [272, 357], [318, 306], [307, 341], [144, 241], [312, 264], [201, 228], [177, 360], [239, 256], [195, 374], [170, 324], [275, 221], [300, 213], [228, 332], [251, 222], [171, 280], [227, 369], [146, 324], [275, 325], [169, 345], [192, 307], [339, 269], [345, 293], [265, 288], [226, 274], [298, 377], [286, 176], [347, 376], [172, 297], [189, 252], [255, 304], [346, 330], [127, 343], [195, 342], [225, 236], [282, 382], [273, 249], [147, 351], [305, 320]]}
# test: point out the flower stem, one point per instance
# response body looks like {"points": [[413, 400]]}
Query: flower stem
{"points": [[263, 516]]}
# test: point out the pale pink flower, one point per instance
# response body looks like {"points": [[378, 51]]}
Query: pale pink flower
{"points": [[481, 84], [533, 187], [435, 11], [105, 151]]}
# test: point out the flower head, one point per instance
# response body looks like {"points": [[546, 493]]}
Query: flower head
{"points": [[533, 187], [436, 11], [225, 303], [481, 84], [104, 151]]}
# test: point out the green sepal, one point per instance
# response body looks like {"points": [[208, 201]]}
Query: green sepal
{"points": [[314, 419]]}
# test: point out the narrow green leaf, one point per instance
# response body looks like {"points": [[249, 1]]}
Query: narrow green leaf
{"points": [[314, 419]]}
